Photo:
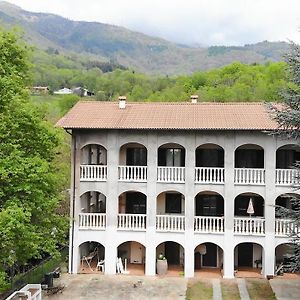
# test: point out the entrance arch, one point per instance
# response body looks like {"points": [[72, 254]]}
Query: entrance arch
{"points": [[133, 257], [92, 257]]}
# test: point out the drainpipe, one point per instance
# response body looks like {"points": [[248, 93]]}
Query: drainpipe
{"points": [[73, 200]]}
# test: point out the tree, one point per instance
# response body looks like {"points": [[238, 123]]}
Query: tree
{"points": [[288, 118], [29, 181]]}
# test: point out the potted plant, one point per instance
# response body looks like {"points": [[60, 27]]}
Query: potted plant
{"points": [[161, 265]]}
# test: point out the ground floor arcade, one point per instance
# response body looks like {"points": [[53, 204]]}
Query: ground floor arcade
{"points": [[185, 257]]}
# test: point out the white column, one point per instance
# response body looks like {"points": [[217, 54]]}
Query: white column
{"points": [[150, 268], [189, 258], [228, 255], [110, 256], [268, 260]]}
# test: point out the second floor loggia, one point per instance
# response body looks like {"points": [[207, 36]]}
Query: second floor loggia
{"points": [[209, 165]]}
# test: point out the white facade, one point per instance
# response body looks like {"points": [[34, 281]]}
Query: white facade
{"points": [[99, 167]]}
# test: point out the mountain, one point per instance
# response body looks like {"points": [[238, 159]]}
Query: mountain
{"points": [[128, 48]]}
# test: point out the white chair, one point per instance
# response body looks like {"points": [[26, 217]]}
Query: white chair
{"points": [[100, 265]]}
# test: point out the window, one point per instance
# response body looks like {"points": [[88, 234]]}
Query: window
{"points": [[171, 157], [173, 203], [136, 157]]}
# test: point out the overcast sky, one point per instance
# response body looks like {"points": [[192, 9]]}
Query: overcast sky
{"points": [[204, 22]]}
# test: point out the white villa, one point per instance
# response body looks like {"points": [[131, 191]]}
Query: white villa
{"points": [[197, 182]]}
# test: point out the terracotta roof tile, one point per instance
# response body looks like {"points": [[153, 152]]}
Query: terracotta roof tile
{"points": [[187, 116]]}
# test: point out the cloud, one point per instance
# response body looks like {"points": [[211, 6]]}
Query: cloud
{"points": [[206, 22]]}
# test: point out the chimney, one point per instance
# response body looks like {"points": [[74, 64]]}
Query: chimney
{"points": [[122, 102], [194, 98]]}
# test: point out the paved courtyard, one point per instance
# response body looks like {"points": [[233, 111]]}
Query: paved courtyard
{"points": [[95, 286], [131, 287]]}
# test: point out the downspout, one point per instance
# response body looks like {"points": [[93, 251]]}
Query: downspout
{"points": [[73, 199]]}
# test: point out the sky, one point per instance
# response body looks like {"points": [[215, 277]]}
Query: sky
{"points": [[193, 22]]}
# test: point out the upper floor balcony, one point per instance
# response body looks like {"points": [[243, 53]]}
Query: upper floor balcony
{"points": [[249, 164]]}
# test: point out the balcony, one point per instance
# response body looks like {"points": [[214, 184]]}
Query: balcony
{"points": [[170, 223], [249, 176], [209, 175], [286, 177], [92, 221], [134, 222], [93, 173], [284, 227], [208, 224], [171, 174], [249, 226], [133, 173]]}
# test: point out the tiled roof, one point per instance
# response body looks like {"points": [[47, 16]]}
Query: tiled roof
{"points": [[185, 116]]}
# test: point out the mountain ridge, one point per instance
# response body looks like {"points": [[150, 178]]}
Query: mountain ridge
{"points": [[131, 49]]}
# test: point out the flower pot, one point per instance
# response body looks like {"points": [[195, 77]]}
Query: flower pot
{"points": [[161, 266]]}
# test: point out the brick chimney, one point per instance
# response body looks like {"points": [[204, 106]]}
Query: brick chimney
{"points": [[122, 102]]}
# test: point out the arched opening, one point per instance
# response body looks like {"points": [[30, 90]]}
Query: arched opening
{"points": [[133, 162], [170, 208], [210, 155], [209, 164], [92, 210], [209, 212], [93, 154], [289, 201], [132, 211], [208, 260], [249, 156], [249, 205], [133, 154], [170, 259], [92, 258], [171, 163], [284, 261], [287, 156], [248, 260], [171, 155], [93, 202], [131, 258]]}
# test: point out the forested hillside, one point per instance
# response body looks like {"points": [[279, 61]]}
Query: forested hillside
{"points": [[134, 50]]}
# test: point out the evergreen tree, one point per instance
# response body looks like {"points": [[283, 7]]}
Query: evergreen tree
{"points": [[288, 117]]}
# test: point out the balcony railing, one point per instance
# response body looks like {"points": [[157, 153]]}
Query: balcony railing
{"points": [[286, 176], [209, 224], [171, 174], [285, 227], [209, 175], [135, 222], [249, 226], [93, 173], [133, 173], [170, 223], [249, 176], [92, 221]]}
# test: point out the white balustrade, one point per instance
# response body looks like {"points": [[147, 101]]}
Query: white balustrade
{"points": [[286, 176], [136, 222], [285, 227], [133, 173], [249, 176], [249, 226], [92, 221], [209, 224], [93, 173], [170, 223], [171, 174], [209, 175]]}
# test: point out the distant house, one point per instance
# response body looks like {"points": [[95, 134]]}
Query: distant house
{"points": [[63, 91], [82, 92], [39, 90]]}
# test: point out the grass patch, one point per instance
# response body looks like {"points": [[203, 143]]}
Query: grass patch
{"points": [[230, 290], [200, 290], [260, 289]]}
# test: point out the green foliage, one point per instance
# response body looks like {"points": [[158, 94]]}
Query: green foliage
{"points": [[29, 178], [288, 118], [66, 102]]}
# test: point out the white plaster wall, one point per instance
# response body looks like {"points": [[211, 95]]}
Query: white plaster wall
{"points": [[112, 140]]}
